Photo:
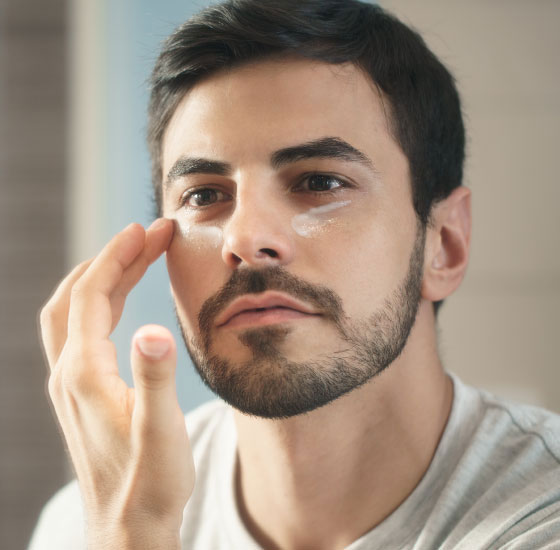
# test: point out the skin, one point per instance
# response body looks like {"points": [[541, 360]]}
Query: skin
{"points": [[311, 481], [319, 480], [205, 125], [118, 438]]}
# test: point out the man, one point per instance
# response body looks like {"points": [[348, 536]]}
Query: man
{"points": [[307, 166]]}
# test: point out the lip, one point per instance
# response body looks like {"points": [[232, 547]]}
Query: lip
{"points": [[266, 301]]}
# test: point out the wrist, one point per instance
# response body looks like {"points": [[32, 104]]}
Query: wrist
{"points": [[134, 541], [136, 535]]}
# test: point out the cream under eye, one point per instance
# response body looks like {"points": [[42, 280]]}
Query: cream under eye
{"points": [[202, 236], [317, 219]]}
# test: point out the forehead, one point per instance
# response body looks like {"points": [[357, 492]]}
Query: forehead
{"points": [[244, 113]]}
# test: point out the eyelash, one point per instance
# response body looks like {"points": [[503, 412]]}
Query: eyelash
{"points": [[191, 192], [296, 188], [342, 183]]}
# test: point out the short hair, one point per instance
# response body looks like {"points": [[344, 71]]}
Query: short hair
{"points": [[424, 106], [425, 112]]}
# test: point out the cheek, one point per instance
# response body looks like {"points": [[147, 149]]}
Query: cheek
{"points": [[362, 262], [319, 220], [202, 238], [193, 263]]}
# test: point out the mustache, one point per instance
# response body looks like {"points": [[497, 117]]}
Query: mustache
{"points": [[253, 281]]}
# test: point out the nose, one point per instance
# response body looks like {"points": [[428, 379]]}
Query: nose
{"points": [[257, 236]]}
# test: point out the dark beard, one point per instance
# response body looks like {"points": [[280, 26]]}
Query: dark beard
{"points": [[271, 386]]}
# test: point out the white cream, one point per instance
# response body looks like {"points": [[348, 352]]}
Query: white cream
{"points": [[203, 235], [315, 219]]}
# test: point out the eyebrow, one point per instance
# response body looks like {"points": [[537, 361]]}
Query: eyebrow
{"points": [[194, 165], [325, 148], [328, 147]]}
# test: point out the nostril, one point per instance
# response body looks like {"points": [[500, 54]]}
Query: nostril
{"points": [[269, 252]]}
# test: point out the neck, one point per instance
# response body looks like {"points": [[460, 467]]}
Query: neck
{"points": [[323, 479]]}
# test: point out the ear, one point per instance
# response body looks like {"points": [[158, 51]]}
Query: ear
{"points": [[448, 239]]}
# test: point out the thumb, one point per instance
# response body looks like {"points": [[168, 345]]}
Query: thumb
{"points": [[153, 360]]}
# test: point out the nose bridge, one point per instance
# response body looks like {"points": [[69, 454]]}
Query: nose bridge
{"points": [[256, 231]]}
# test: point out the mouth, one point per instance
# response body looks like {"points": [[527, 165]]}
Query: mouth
{"points": [[263, 309]]}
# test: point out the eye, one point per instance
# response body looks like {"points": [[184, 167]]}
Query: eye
{"points": [[202, 196], [321, 183]]}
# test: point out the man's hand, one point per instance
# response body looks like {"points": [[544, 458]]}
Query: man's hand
{"points": [[129, 447]]}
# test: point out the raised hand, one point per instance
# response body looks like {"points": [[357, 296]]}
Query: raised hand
{"points": [[129, 447]]}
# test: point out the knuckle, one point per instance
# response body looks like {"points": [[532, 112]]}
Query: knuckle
{"points": [[71, 375], [77, 289], [46, 314], [75, 381], [54, 385], [83, 265]]}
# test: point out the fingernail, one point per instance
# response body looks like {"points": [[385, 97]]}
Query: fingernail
{"points": [[152, 348], [160, 222]]}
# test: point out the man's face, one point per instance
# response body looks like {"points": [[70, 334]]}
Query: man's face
{"points": [[296, 262]]}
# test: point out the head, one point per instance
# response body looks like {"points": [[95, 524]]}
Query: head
{"points": [[420, 98], [251, 96]]}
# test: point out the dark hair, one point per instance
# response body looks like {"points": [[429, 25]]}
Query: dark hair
{"points": [[424, 106]]}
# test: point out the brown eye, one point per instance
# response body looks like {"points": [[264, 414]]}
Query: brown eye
{"points": [[320, 182], [202, 197]]}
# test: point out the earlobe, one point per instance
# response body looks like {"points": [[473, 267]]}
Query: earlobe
{"points": [[447, 245]]}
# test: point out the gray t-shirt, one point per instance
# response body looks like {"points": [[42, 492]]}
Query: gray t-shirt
{"points": [[494, 483]]}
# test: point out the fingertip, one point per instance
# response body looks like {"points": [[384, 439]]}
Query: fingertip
{"points": [[135, 231], [173, 225], [153, 359], [169, 226], [154, 342], [134, 226], [161, 224], [158, 224], [158, 237], [153, 348]]}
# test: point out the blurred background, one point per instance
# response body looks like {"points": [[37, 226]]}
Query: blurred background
{"points": [[74, 170]]}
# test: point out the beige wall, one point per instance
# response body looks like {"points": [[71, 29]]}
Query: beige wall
{"points": [[501, 329], [32, 249]]}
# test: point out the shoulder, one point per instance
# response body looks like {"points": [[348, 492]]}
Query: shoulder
{"points": [[483, 419], [506, 481], [535, 426]]}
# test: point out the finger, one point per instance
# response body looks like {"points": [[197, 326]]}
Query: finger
{"points": [[90, 315], [101, 292], [157, 240], [53, 317], [153, 360], [158, 432]]}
